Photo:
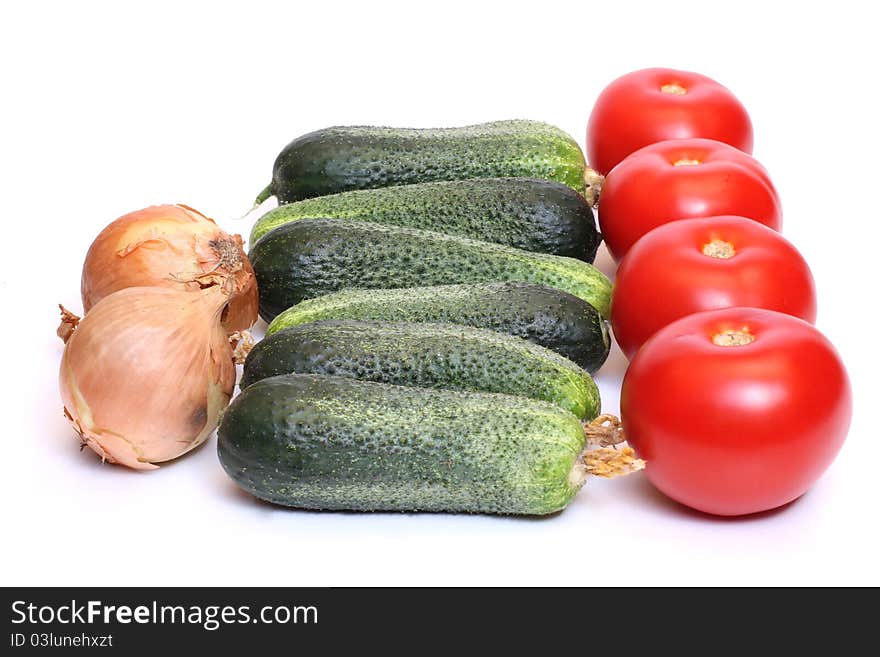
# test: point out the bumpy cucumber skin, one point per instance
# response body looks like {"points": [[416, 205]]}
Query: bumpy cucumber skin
{"points": [[530, 214], [312, 257], [544, 315], [426, 355], [331, 443], [342, 158]]}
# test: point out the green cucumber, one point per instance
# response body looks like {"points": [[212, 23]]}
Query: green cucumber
{"points": [[425, 355], [312, 257], [530, 214], [544, 315], [363, 157], [331, 443]]}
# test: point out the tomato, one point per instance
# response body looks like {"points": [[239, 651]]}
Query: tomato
{"points": [[680, 179], [736, 410], [655, 104], [692, 265]]}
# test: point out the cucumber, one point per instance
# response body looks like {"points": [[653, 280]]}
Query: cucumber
{"points": [[543, 315], [530, 214], [326, 442], [363, 157], [425, 355], [311, 257]]}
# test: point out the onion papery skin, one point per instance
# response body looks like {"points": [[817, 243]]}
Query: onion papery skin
{"points": [[171, 246], [147, 372]]}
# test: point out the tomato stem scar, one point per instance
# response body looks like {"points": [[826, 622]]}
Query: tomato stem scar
{"points": [[719, 249], [673, 88], [731, 338]]}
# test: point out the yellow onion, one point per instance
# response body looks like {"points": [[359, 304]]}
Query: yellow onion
{"points": [[171, 246], [146, 373]]}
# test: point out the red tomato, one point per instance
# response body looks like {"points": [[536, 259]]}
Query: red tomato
{"points": [[644, 107], [690, 265], [680, 179], [736, 410]]}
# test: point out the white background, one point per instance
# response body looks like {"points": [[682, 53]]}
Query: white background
{"points": [[107, 108]]}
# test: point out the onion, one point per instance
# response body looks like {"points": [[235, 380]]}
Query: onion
{"points": [[146, 373], [171, 246]]}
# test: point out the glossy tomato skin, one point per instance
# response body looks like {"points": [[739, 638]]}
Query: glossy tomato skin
{"points": [[733, 430], [655, 104], [682, 179], [692, 265]]}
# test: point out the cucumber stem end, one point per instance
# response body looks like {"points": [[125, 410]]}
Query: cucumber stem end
{"points": [[593, 181], [604, 431], [608, 462], [602, 458], [262, 196]]}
